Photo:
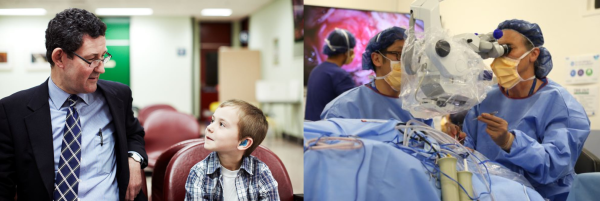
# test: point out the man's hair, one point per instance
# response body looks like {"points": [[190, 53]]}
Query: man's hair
{"points": [[252, 123], [67, 28]]}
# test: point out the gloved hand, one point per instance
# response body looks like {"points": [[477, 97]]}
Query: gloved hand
{"points": [[454, 131], [497, 128]]}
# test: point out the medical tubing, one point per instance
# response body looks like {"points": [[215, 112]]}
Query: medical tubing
{"points": [[408, 124], [463, 188], [429, 143], [423, 126], [488, 183], [406, 133], [485, 182], [436, 169], [474, 158], [419, 86], [526, 194], [359, 167], [419, 129], [307, 147]]}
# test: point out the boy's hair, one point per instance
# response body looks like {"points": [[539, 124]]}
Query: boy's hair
{"points": [[252, 123]]}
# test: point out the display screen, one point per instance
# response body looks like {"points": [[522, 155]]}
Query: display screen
{"points": [[298, 6], [320, 21]]}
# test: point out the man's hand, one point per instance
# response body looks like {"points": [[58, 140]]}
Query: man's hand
{"points": [[497, 128], [135, 181]]}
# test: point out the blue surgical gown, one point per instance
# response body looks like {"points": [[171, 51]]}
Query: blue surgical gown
{"points": [[326, 82], [381, 171], [365, 102], [550, 128]]}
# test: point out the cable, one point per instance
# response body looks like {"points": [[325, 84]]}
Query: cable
{"points": [[526, 194], [359, 167], [463, 188], [416, 134], [427, 141], [419, 126]]}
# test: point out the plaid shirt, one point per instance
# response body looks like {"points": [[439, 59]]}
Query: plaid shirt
{"points": [[253, 182]]}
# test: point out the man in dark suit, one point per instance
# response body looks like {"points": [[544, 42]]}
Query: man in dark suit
{"points": [[74, 137]]}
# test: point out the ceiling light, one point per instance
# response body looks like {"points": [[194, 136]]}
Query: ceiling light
{"points": [[23, 11], [124, 11], [216, 12]]}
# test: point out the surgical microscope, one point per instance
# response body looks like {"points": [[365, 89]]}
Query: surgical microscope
{"points": [[444, 65]]}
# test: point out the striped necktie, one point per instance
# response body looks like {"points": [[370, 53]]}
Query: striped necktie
{"points": [[67, 179]]}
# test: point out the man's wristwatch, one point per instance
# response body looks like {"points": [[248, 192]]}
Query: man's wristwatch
{"points": [[135, 157]]}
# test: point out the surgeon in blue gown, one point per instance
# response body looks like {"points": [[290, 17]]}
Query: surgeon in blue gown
{"points": [[328, 80], [379, 98], [540, 129]]}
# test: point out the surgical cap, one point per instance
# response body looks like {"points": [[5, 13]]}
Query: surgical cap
{"points": [[532, 31], [338, 42], [381, 41]]}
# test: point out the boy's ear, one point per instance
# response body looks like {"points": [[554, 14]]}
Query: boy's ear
{"points": [[245, 144]]}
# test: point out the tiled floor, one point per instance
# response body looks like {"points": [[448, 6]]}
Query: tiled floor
{"points": [[292, 156]]}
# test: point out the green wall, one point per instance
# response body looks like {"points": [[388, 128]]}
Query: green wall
{"points": [[117, 43]]}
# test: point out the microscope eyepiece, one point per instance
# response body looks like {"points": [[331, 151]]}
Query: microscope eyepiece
{"points": [[506, 48]]}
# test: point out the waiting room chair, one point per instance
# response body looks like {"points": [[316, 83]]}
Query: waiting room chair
{"points": [[146, 111], [144, 184], [158, 175], [165, 128]]}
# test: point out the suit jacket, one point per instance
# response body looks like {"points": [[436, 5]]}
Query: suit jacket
{"points": [[26, 153]]}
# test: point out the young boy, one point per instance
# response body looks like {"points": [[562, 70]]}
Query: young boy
{"points": [[229, 172]]}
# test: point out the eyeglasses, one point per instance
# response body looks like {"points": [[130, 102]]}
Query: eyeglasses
{"points": [[96, 62], [398, 54]]}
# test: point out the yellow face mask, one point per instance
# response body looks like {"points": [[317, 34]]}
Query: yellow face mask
{"points": [[393, 78], [505, 70]]}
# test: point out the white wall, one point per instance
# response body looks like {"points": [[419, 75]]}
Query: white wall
{"points": [[21, 35], [275, 21], [158, 74], [566, 30]]}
